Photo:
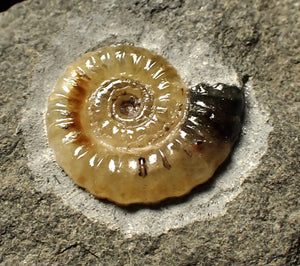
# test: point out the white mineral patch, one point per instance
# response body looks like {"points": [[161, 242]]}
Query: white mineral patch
{"points": [[196, 62]]}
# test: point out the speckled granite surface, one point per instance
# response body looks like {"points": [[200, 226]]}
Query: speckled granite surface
{"points": [[260, 39]]}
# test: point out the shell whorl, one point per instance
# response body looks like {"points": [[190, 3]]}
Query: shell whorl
{"points": [[124, 126]]}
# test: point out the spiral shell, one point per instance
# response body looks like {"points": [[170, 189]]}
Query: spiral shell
{"points": [[124, 126]]}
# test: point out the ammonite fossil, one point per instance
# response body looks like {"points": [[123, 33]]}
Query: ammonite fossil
{"points": [[124, 126]]}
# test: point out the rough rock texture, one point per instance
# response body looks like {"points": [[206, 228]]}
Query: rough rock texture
{"points": [[261, 40]]}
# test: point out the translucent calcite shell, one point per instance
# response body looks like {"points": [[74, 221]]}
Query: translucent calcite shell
{"points": [[124, 126]]}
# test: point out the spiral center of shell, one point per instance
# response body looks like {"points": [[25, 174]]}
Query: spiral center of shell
{"points": [[129, 101], [123, 111], [127, 105]]}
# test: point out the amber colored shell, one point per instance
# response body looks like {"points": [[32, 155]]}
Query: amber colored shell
{"points": [[124, 126]]}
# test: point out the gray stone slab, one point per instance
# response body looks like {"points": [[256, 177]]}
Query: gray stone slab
{"points": [[248, 214]]}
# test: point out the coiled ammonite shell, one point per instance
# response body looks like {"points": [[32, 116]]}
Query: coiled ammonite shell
{"points": [[124, 126]]}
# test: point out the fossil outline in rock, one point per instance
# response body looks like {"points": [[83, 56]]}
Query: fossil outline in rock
{"points": [[124, 126]]}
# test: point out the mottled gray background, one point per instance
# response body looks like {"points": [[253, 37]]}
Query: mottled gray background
{"points": [[258, 39]]}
